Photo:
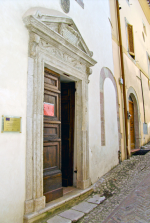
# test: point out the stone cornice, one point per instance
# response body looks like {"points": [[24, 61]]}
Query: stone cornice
{"points": [[45, 32]]}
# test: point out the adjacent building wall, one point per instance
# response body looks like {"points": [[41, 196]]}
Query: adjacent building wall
{"points": [[132, 67]]}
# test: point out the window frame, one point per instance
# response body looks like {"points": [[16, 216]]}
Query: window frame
{"points": [[131, 54], [131, 49]]}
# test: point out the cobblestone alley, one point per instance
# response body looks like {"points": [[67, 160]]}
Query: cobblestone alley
{"points": [[127, 189]]}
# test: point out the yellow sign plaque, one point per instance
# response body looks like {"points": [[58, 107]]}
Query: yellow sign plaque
{"points": [[12, 124]]}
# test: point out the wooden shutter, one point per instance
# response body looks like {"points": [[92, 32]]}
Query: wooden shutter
{"points": [[130, 40]]}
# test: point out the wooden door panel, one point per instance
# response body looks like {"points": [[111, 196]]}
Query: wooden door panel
{"points": [[65, 91], [66, 131], [132, 132], [67, 117], [51, 182], [51, 131], [52, 176], [65, 111], [53, 98], [50, 81], [51, 156], [54, 194], [65, 163]]}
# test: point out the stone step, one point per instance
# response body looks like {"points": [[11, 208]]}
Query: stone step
{"points": [[77, 211], [59, 205]]}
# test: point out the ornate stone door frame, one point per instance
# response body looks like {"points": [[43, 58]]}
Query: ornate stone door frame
{"points": [[57, 43]]}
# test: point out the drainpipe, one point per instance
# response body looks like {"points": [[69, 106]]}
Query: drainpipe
{"points": [[142, 96], [123, 77]]}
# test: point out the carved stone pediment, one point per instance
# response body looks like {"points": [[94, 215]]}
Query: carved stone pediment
{"points": [[65, 27]]}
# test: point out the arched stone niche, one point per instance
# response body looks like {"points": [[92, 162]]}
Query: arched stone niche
{"points": [[106, 73], [131, 92], [56, 43]]}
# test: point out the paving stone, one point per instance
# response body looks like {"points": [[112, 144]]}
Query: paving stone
{"points": [[84, 207], [72, 215], [96, 199], [58, 219], [127, 192]]}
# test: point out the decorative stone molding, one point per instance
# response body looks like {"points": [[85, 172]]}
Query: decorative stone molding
{"points": [[106, 73], [64, 26], [62, 56], [49, 47]]}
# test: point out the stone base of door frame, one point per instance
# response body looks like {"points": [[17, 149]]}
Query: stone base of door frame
{"points": [[57, 205], [34, 205], [83, 183]]}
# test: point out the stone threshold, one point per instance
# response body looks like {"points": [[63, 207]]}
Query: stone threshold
{"points": [[134, 150], [58, 205]]}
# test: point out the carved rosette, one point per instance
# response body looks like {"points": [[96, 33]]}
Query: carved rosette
{"points": [[65, 4]]}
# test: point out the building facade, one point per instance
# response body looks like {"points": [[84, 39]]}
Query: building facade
{"points": [[134, 18], [61, 73]]}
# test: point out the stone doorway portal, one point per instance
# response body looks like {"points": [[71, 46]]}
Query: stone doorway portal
{"points": [[50, 47]]}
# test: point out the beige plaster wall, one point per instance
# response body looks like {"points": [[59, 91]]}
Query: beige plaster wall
{"points": [[132, 67], [126, 15], [95, 28], [111, 128], [146, 93]]}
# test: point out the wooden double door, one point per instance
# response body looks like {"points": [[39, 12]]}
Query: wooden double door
{"points": [[58, 135]]}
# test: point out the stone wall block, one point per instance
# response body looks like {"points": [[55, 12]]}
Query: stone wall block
{"points": [[29, 206], [29, 159], [39, 167], [39, 203], [30, 87]]}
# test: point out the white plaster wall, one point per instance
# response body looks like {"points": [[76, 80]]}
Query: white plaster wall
{"points": [[107, 156], [111, 126], [102, 48], [94, 26]]}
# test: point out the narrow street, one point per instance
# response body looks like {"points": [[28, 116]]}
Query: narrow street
{"points": [[127, 191]]}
